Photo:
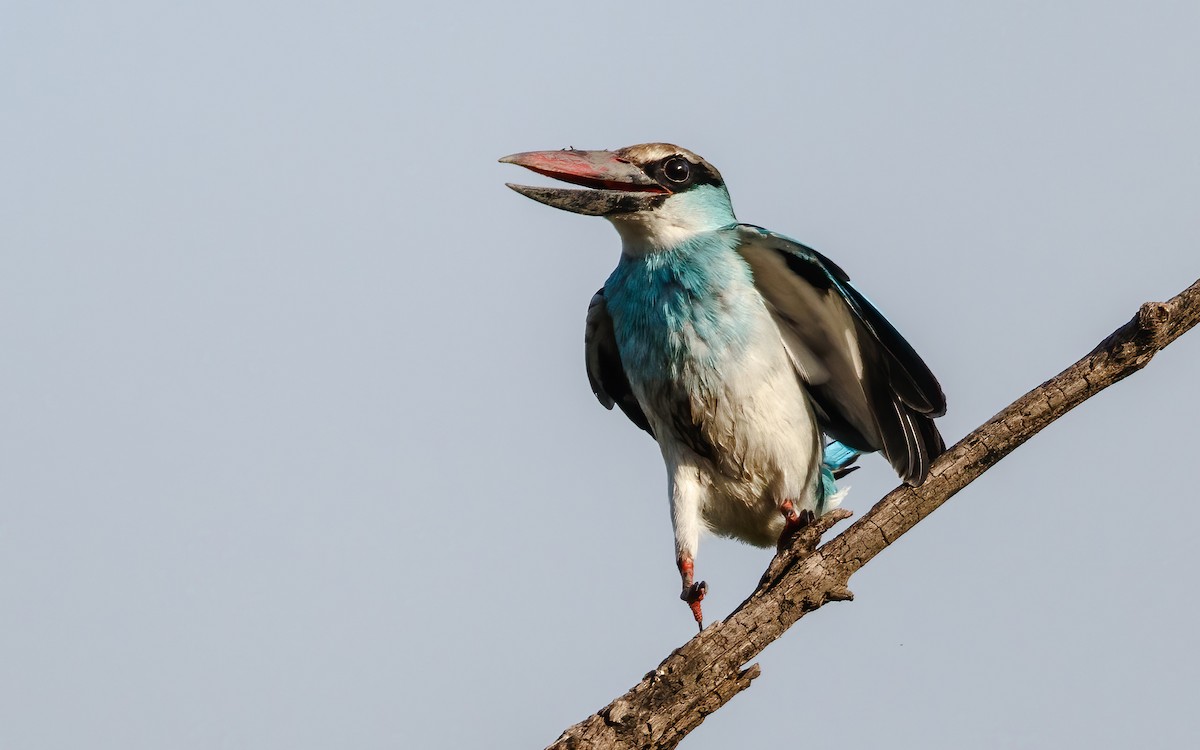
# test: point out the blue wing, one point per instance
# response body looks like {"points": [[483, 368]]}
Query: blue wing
{"points": [[870, 389]]}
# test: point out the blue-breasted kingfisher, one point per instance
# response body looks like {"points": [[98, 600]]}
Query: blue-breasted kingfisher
{"points": [[741, 351]]}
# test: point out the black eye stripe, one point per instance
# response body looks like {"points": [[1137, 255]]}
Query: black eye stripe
{"points": [[677, 173]]}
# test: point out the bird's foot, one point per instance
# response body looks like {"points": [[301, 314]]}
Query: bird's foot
{"points": [[693, 595], [793, 523]]}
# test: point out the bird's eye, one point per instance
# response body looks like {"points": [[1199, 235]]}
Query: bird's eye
{"points": [[677, 169]]}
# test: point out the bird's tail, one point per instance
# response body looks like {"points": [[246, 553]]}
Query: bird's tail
{"points": [[835, 464]]}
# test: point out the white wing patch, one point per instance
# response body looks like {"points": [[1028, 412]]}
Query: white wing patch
{"points": [[855, 354]]}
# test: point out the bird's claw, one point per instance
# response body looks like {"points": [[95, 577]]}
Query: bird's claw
{"points": [[693, 595], [793, 524]]}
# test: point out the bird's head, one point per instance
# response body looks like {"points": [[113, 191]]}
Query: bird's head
{"points": [[657, 195]]}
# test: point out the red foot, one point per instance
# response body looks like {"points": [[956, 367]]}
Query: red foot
{"points": [[793, 523], [693, 593]]}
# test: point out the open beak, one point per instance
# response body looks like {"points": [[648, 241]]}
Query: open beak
{"points": [[615, 186]]}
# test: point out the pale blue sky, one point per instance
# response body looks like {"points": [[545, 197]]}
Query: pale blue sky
{"points": [[296, 447]]}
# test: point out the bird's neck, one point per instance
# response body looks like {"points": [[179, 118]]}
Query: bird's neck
{"points": [[685, 309]]}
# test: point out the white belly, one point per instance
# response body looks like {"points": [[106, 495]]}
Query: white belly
{"points": [[752, 442]]}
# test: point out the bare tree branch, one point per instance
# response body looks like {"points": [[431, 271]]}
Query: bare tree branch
{"points": [[706, 672]]}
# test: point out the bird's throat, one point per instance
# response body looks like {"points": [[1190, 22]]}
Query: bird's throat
{"points": [[683, 312]]}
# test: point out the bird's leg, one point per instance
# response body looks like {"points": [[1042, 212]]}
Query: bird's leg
{"points": [[686, 493], [693, 593], [793, 523]]}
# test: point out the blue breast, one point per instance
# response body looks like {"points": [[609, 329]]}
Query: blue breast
{"points": [[683, 313]]}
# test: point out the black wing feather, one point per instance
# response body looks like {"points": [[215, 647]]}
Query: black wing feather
{"points": [[605, 372], [834, 332]]}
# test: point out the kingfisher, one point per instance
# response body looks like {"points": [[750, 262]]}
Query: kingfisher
{"points": [[751, 359]]}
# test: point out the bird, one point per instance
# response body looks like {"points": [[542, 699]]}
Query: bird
{"points": [[751, 359]]}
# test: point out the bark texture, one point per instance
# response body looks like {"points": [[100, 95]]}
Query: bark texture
{"points": [[706, 672]]}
